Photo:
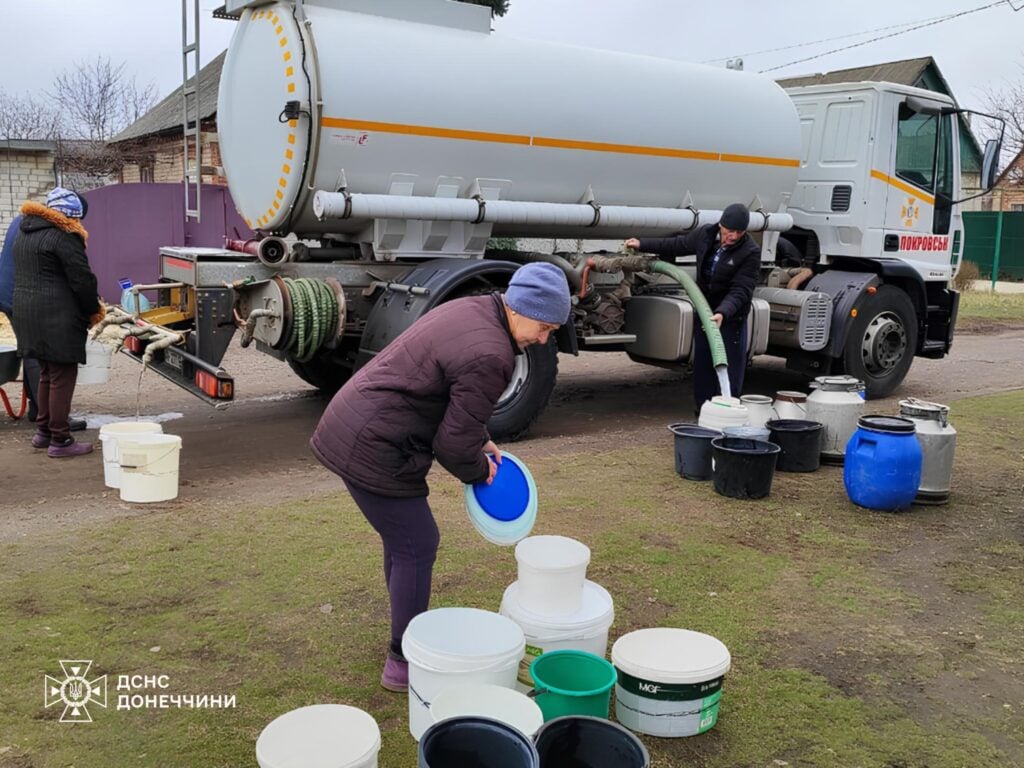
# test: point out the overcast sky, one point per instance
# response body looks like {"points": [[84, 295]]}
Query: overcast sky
{"points": [[977, 52]]}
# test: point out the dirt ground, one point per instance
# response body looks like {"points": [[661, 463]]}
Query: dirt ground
{"points": [[256, 449]]}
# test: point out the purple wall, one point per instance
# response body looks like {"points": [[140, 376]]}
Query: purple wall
{"points": [[129, 223]]}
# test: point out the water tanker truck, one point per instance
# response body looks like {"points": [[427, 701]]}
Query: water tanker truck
{"points": [[377, 147]]}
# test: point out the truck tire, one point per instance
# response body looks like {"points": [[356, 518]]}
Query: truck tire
{"points": [[528, 394], [323, 372], [882, 341]]}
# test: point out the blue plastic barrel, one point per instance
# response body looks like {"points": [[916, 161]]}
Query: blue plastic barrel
{"points": [[882, 467]]}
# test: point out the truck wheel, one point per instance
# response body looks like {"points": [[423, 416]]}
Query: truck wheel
{"points": [[882, 341], [322, 372], [528, 394]]}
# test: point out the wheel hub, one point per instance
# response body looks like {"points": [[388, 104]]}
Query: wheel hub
{"points": [[519, 375], [884, 345]]}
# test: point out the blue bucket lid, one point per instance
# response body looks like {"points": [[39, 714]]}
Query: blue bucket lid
{"points": [[505, 511], [508, 495]]}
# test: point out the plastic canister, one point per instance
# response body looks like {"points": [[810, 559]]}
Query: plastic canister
{"points": [[760, 407], [585, 630], [938, 444], [836, 403], [109, 436], [720, 412], [552, 570], [128, 298], [790, 404], [449, 647], [883, 463], [320, 736], [670, 681]]}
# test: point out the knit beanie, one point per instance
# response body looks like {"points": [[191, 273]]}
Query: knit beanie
{"points": [[735, 217], [66, 202], [540, 292]]}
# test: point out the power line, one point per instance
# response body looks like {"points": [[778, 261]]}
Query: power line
{"points": [[894, 34], [826, 39]]}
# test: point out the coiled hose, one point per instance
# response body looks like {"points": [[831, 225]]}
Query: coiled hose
{"points": [[700, 304], [314, 316]]}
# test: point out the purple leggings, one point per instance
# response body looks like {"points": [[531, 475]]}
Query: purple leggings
{"points": [[410, 536]]}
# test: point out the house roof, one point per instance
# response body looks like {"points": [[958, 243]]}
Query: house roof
{"points": [[28, 145], [905, 72], [167, 115]]}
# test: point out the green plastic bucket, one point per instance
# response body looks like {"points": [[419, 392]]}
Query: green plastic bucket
{"points": [[572, 683]]}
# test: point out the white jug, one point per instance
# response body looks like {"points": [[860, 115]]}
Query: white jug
{"points": [[760, 407]]}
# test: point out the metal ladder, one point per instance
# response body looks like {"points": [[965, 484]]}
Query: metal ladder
{"points": [[191, 119]]}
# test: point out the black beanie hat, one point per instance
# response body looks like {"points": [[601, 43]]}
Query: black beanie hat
{"points": [[736, 217]]}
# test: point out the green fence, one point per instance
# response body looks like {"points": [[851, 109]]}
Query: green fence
{"points": [[980, 233]]}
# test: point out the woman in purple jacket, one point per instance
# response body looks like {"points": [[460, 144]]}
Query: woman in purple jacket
{"points": [[429, 395]]}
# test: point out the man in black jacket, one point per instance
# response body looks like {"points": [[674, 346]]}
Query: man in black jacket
{"points": [[728, 263]]}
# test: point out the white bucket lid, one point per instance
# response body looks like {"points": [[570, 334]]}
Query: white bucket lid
{"points": [[597, 612], [669, 655], [494, 701], [320, 736], [552, 553], [120, 428], [462, 640]]}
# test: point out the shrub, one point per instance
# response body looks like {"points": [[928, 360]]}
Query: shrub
{"points": [[966, 276]]}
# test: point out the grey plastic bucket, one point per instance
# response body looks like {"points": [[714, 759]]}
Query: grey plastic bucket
{"points": [[693, 450], [475, 742], [589, 742]]}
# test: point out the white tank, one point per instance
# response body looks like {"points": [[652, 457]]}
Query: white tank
{"points": [[427, 109]]}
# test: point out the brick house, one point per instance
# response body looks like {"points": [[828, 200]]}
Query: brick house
{"points": [[1008, 192], [152, 146], [28, 170]]}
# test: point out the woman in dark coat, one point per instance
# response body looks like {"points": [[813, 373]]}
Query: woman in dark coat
{"points": [[429, 395], [54, 301]]}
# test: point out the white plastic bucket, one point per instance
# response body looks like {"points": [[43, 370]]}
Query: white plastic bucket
{"points": [[669, 681], [149, 467], [760, 408], [320, 736], [109, 436], [720, 412], [449, 647], [585, 630], [552, 570], [96, 369], [496, 702]]}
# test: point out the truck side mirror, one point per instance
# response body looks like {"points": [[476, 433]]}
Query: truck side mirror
{"points": [[990, 163]]}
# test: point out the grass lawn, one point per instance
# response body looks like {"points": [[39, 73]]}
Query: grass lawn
{"points": [[987, 306], [858, 638]]}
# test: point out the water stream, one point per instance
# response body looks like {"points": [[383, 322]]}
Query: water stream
{"points": [[723, 380]]}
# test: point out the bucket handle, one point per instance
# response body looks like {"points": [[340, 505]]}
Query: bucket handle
{"points": [[537, 692], [419, 698]]}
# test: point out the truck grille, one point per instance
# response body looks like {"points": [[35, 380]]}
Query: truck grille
{"points": [[815, 322]]}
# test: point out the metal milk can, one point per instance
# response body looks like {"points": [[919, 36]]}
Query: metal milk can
{"points": [[836, 402], [938, 442]]}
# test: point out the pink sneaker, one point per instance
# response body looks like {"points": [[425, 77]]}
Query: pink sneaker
{"points": [[39, 440], [396, 674], [69, 449]]}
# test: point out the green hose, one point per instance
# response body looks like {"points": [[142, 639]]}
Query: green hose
{"points": [[314, 316], [718, 356]]}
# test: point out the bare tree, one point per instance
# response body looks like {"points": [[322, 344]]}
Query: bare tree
{"points": [[1008, 105], [25, 117], [99, 100]]}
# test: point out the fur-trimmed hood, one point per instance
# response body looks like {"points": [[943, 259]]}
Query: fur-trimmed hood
{"points": [[56, 218]]}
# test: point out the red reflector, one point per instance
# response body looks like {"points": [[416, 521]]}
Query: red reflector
{"points": [[133, 344], [223, 389], [872, 290]]}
